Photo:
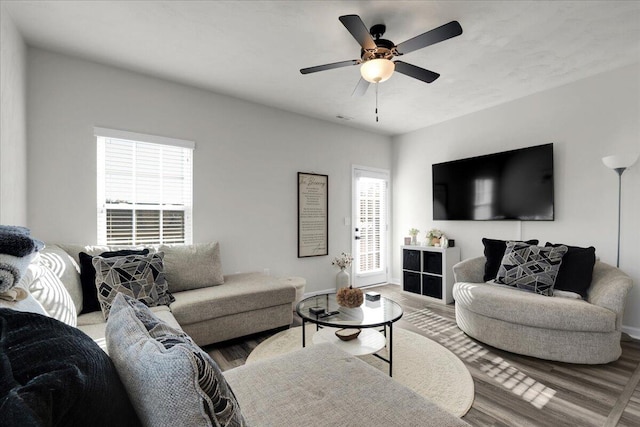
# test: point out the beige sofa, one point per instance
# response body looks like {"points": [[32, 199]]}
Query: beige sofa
{"points": [[244, 304], [554, 328]]}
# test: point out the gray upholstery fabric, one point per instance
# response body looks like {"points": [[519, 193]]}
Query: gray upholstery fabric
{"points": [[549, 344], [324, 386], [469, 270], [170, 380], [240, 293], [527, 308], [562, 329], [210, 331], [192, 266]]}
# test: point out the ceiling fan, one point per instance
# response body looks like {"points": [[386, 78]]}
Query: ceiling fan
{"points": [[376, 53]]}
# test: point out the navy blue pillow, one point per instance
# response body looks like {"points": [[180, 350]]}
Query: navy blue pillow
{"points": [[493, 252], [52, 374], [88, 277], [576, 270]]}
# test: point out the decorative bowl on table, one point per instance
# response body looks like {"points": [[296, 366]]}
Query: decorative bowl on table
{"points": [[348, 334]]}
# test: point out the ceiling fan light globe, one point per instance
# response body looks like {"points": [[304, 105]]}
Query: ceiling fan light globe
{"points": [[377, 70]]}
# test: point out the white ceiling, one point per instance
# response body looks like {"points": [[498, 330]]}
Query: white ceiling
{"points": [[253, 50]]}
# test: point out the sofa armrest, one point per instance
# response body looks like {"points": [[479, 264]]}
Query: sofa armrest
{"points": [[609, 289], [470, 270]]}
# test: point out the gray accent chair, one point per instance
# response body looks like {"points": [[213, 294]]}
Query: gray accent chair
{"points": [[553, 328]]}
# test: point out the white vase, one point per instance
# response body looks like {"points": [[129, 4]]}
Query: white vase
{"points": [[342, 279]]}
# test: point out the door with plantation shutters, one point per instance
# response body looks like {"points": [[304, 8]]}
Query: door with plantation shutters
{"points": [[144, 189], [370, 226]]}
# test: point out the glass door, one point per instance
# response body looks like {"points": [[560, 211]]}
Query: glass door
{"points": [[370, 226]]}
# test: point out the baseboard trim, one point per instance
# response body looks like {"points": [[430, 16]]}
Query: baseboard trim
{"points": [[394, 281], [633, 332]]}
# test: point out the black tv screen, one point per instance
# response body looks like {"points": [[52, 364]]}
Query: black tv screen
{"points": [[516, 184]]}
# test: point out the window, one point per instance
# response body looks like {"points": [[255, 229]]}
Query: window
{"points": [[144, 188]]}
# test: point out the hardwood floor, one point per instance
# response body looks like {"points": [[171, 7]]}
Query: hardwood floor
{"points": [[510, 390]]}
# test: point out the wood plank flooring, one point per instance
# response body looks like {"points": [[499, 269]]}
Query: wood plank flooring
{"points": [[510, 390]]}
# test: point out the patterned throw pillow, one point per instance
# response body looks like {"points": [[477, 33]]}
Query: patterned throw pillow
{"points": [[170, 379], [90, 301], [530, 268], [493, 253], [138, 276]]}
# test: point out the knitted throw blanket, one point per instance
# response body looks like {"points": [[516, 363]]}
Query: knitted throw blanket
{"points": [[17, 250]]}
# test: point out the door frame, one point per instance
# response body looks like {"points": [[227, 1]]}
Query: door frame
{"points": [[383, 174]]}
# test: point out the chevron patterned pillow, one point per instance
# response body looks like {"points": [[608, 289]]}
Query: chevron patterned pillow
{"points": [[531, 268]]}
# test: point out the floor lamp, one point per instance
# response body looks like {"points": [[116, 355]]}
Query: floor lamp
{"points": [[619, 164]]}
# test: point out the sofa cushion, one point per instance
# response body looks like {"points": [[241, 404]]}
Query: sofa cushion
{"points": [[88, 276], [192, 266], [67, 269], [530, 268], [170, 379], [530, 309], [576, 271], [53, 374], [138, 276], [240, 293], [493, 252], [48, 289]]}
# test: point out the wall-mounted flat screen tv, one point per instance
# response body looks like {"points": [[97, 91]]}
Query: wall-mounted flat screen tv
{"points": [[516, 184]]}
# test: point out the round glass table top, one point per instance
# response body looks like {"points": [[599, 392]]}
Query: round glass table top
{"points": [[368, 315]]}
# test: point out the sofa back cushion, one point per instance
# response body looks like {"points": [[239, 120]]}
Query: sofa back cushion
{"points": [[49, 291], [66, 269], [170, 379], [192, 266]]}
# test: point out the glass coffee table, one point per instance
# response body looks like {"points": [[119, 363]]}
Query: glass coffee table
{"points": [[370, 315]]}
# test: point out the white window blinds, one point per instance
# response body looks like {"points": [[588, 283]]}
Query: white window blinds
{"points": [[371, 214], [144, 189]]}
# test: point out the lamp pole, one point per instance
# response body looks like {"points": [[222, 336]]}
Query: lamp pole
{"points": [[619, 171]]}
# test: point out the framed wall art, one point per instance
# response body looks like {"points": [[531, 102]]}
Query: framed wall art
{"points": [[313, 215]]}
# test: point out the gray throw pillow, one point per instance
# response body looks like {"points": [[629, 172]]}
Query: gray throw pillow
{"points": [[531, 268], [171, 381], [192, 266], [138, 276]]}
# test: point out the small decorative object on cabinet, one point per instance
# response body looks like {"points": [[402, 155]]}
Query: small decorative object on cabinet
{"points": [[414, 234], [428, 271]]}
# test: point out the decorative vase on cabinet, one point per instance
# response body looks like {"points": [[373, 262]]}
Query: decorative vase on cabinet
{"points": [[342, 279]]}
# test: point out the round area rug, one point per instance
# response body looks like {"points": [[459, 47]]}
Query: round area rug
{"points": [[420, 364]]}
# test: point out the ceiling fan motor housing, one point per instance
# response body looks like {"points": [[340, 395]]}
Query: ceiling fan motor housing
{"points": [[384, 49]]}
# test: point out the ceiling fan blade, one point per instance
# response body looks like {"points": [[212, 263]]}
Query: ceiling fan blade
{"points": [[416, 72], [358, 30], [329, 66], [361, 88], [442, 33]]}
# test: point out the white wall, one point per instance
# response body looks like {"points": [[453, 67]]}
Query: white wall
{"points": [[585, 120], [13, 139], [245, 164]]}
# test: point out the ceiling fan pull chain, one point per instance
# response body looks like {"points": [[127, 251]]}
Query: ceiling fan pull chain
{"points": [[377, 84]]}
